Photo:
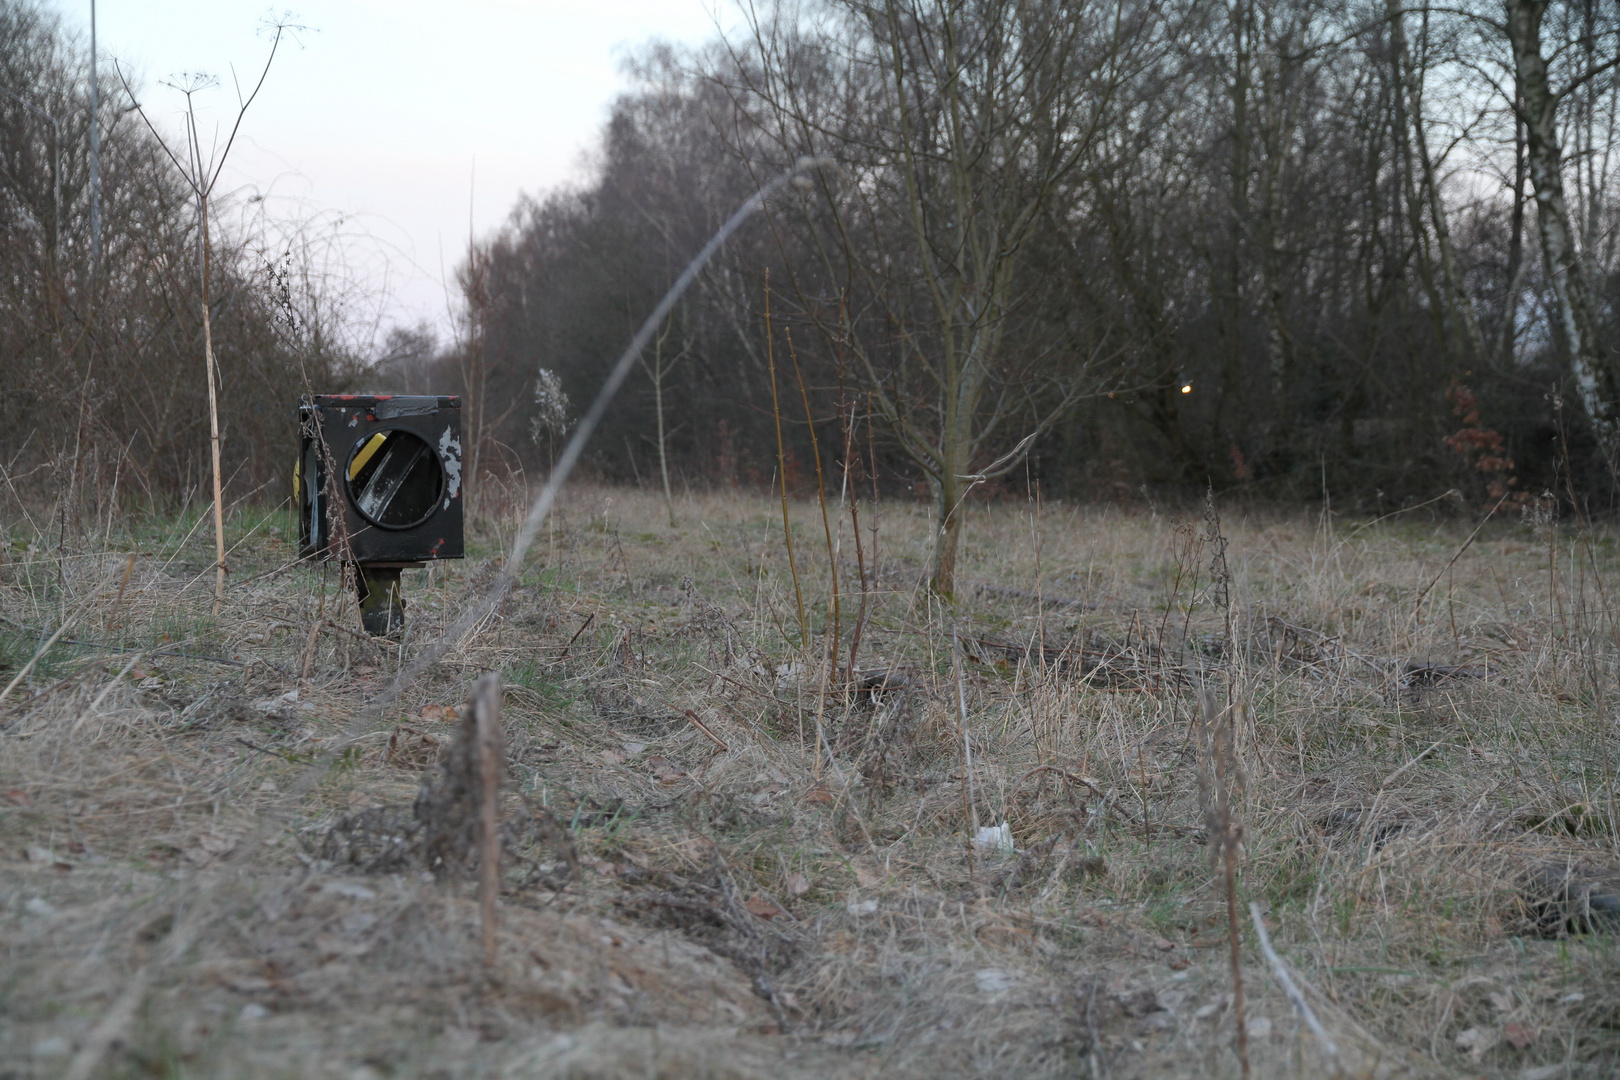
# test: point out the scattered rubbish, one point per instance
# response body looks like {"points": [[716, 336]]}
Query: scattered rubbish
{"points": [[994, 838], [1476, 1042], [996, 980], [1546, 1072], [348, 889], [53, 1046]]}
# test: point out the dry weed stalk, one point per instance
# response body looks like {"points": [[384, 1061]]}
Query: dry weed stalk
{"points": [[969, 812], [821, 495], [781, 473], [201, 175], [1220, 784]]}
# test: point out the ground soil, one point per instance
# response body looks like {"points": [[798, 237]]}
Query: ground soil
{"points": [[732, 850]]}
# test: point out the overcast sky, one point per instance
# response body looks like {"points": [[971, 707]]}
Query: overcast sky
{"points": [[410, 118]]}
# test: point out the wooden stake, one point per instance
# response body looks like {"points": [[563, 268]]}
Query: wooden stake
{"points": [[487, 712]]}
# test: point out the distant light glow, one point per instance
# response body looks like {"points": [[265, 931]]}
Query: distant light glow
{"points": [[1186, 388]]}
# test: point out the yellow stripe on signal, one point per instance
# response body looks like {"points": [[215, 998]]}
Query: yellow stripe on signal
{"points": [[373, 444]]}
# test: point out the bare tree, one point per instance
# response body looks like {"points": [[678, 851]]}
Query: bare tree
{"points": [[957, 123], [201, 170], [659, 370]]}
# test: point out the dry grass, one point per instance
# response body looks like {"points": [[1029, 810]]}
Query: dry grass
{"points": [[177, 898]]}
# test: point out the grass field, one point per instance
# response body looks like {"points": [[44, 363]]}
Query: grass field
{"points": [[726, 857]]}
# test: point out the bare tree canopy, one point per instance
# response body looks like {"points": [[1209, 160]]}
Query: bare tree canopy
{"points": [[102, 387], [1280, 246], [1271, 244]]}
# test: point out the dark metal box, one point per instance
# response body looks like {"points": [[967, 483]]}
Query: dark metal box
{"points": [[378, 478]]}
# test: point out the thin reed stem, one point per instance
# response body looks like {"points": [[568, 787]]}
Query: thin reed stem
{"points": [[781, 466], [821, 488]]}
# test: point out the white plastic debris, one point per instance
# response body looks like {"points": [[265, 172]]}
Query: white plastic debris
{"points": [[1477, 1041], [996, 980], [994, 838], [348, 889], [53, 1046]]}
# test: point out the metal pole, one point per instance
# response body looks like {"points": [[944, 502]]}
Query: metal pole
{"points": [[95, 155]]}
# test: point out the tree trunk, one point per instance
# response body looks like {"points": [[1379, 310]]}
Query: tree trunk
{"points": [[658, 405], [1229, 321], [948, 495], [1589, 364], [1274, 121], [1515, 268]]}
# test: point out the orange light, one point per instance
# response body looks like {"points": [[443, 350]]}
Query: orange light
{"points": [[1186, 388]]}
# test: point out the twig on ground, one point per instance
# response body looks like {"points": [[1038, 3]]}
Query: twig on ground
{"points": [[266, 750], [1286, 981], [109, 1029], [692, 716]]}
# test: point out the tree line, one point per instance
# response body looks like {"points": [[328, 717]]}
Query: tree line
{"points": [[1280, 247], [103, 376]]}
